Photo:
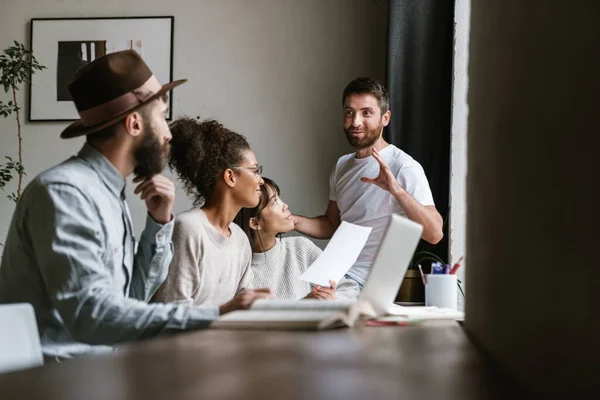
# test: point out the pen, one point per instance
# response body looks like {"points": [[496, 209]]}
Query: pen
{"points": [[437, 268], [447, 269], [456, 266], [423, 276]]}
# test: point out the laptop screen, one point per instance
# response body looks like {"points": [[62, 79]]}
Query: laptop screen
{"points": [[391, 262]]}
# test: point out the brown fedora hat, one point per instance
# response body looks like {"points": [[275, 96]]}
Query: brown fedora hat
{"points": [[109, 88]]}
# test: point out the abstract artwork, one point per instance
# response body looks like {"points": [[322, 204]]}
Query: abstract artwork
{"points": [[64, 45]]}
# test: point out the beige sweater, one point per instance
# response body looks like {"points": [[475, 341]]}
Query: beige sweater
{"points": [[207, 268]]}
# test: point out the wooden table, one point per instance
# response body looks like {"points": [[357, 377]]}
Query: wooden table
{"points": [[434, 362]]}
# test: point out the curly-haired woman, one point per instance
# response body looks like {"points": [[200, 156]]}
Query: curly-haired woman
{"points": [[277, 263], [211, 262]]}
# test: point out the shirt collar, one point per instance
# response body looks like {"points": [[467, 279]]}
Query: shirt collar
{"points": [[108, 173]]}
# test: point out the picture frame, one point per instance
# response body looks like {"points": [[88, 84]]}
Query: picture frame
{"points": [[65, 44]]}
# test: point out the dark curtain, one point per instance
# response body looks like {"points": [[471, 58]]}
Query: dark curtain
{"points": [[419, 80]]}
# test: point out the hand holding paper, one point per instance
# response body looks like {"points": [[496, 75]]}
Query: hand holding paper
{"points": [[339, 255]]}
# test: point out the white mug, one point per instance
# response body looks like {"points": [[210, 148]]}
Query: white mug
{"points": [[441, 291]]}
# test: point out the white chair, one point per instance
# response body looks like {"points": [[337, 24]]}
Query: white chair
{"points": [[19, 339]]}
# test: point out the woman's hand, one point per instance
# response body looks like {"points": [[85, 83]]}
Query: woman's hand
{"points": [[322, 292], [244, 299]]}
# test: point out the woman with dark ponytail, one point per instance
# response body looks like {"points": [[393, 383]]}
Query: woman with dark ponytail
{"points": [[211, 262]]}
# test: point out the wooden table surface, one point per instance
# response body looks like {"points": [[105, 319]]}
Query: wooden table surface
{"points": [[433, 362]]}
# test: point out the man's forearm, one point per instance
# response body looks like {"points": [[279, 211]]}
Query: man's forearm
{"points": [[430, 219], [105, 319], [319, 227]]}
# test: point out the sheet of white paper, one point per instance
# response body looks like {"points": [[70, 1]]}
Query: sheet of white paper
{"points": [[339, 255], [425, 312]]}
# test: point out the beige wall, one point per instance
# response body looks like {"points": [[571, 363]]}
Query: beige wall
{"points": [[532, 226], [273, 70]]}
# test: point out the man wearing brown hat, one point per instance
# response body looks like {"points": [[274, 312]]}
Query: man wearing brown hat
{"points": [[70, 249]]}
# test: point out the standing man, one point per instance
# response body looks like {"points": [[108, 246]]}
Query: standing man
{"points": [[70, 250], [378, 179]]}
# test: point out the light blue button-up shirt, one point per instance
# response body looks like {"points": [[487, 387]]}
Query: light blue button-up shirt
{"points": [[70, 252]]}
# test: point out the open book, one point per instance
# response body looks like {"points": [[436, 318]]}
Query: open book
{"points": [[307, 314]]}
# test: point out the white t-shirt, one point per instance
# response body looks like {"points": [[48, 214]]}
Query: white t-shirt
{"points": [[366, 204]]}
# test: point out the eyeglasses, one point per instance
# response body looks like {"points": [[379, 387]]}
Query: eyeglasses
{"points": [[257, 170]]}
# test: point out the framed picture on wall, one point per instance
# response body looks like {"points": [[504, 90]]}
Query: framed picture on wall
{"points": [[65, 44]]}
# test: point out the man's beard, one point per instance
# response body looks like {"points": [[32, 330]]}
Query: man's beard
{"points": [[150, 156], [368, 140]]}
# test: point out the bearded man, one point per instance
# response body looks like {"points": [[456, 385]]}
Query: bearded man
{"points": [[378, 179], [70, 250]]}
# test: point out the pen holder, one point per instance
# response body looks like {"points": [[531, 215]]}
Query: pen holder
{"points": [[412, 289], [441, 291]]}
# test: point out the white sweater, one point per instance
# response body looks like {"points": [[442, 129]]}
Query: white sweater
{"points": [[280, 267]]}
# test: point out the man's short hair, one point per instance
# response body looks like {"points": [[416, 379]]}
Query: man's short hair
{"points": [[364, 85]]}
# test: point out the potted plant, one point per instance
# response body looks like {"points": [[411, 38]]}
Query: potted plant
{"points": [[17, 65], [412, 289]]}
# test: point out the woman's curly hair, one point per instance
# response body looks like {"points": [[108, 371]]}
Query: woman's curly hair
{"points": [[200, 152]]}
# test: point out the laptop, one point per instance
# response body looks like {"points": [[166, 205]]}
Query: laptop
{"points": [[19, 340], [391, 262], [388, 269]]}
